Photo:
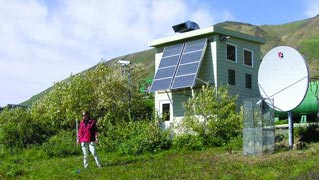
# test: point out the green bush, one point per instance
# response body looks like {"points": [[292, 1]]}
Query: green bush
{"points": [[188, 141], [133, 137], [61, 145], [12, 170], [143, 137], [217, 119], [235, 144], [13, 167], [19, 130]]}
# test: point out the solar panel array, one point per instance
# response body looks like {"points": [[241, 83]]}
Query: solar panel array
{"points": [[179, 65]]}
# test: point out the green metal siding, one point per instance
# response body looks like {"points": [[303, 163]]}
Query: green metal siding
{"points": [[241, 69], [179, 98], [206, 71]]}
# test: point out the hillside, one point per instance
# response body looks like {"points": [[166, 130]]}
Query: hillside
{"points": [[302, 35]]}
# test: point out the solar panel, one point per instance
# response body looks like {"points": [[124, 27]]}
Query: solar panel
{"points": [[189, 64], [183, 81], [190, 68], [195, 45], [161, 84], [179, 65], [169, 61], [167, 67], [165, 72], [191, 57], [173, 50]]}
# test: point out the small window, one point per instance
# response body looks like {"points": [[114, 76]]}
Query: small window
{"points": [[166, 111], [231, 77], [231, 52], [248, 81], [248, 57]]}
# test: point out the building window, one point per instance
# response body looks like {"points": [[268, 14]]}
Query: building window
{"points": [[231, 52], [231, 77], [248, 81], [166, 111], [248, 57]]}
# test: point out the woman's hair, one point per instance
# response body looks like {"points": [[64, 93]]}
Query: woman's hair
{"points": [[85, 113]]}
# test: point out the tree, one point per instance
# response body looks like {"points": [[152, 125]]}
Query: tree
{"points": [[101, 90]]}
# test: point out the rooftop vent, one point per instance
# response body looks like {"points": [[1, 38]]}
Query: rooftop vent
{"points": [[185, 27]]}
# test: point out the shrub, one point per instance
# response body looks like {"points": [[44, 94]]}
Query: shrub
{"points": [[12, 167], [61, 145], [309, 133], [18, 130], [234, 144], [188, 141], [133, 137], [143, 137], [216, 120]]}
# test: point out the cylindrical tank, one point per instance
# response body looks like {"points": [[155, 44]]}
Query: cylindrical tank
{"points": [[308, 106]]}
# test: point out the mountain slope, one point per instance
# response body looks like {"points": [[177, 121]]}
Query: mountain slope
{"points": [[302, 35]]}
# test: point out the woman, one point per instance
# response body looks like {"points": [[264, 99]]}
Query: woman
{"points": [[87, 136]]}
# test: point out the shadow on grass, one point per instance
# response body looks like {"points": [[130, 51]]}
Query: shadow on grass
{"points": [[309, 134], [303, 136]]}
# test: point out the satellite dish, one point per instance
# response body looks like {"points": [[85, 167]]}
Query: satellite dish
{"points": [[283, 78]]}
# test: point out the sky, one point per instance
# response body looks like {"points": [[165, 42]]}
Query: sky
{"points": [[45, 41]]}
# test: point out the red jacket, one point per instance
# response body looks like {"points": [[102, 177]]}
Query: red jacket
{"points": [[87, 131]]}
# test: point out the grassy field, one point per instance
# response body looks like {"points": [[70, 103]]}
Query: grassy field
{"points": [[208, 164]]}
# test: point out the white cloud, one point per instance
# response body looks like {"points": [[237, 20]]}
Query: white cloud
{"points": [[312, 8], [44, 41]]}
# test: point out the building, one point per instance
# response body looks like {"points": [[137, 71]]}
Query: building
{"points": [[193, 57]]}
